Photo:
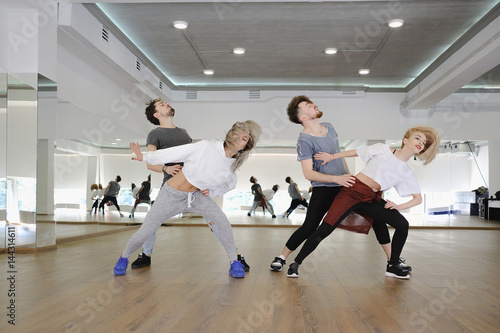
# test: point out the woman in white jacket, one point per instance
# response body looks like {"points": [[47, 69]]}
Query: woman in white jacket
{"points": [[209, 171]]}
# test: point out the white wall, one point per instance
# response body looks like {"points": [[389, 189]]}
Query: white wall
{"points": [[21, 134], [4, 28]]}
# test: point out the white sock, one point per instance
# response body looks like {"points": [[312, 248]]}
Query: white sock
{"points": [[282, 257]]}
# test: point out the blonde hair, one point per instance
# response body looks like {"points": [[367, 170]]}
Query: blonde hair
{"points": [[253, 129], [432, 142]]}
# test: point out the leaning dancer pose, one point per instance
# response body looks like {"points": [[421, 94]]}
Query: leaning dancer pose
{"points": [[385, 168], [209, 171]]}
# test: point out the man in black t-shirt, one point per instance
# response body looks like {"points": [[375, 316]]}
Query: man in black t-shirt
{"points": [[142, 195], [110, 194], [166, 135], [259, 198]]}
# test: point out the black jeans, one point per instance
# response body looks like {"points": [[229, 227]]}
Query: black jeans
{"points": [[113, 201], [375, 209], [294, 204], [321, 200]]}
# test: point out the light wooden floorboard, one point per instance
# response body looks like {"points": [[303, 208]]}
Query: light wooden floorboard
{"points": [[341, 288]]}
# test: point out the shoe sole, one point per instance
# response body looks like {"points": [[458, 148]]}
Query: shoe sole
{"points": [[140, 266], [275, 269], [119, 273], [237, 276], [406, 277], [292, 275]]}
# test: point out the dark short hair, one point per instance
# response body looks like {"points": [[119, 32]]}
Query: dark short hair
{"points": [[118, 179], [252, 179], [293, 108], [151, 110], [275, 187], [288, 180]]}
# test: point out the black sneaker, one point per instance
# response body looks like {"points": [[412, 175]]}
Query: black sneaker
{"points": [[277, 264], [142, 261], [293, 270], [241, 259], [397, 271], [274, 216], [248, 214], [402, 263]]}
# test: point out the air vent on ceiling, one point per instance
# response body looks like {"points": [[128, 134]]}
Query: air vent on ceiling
{"points": [[137, 64], [105, 34], [191, 94], [160, 85], [348, 92], [254, 94]]}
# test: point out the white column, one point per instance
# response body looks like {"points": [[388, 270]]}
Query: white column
{"points": [[494, 166]]}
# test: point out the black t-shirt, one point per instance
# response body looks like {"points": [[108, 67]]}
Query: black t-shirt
{"points": [[255, 188], [168, 137], [144, 194]]}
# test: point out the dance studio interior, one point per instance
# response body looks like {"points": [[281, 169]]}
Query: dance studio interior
{"points": [[75, 80]]}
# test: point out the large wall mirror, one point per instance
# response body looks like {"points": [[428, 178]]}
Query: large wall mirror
{"points": [[21, 156], [47, 120], [3, 157]]}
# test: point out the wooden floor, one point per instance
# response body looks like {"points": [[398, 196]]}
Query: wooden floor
{"points": [[455, 285]]}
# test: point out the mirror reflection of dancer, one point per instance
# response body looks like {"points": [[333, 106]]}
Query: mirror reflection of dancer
{"points": [[209, 171], [97, 194], [141, 195], [268, 196], [296, 195], [110, 194], [385, 168], [259, 199]]}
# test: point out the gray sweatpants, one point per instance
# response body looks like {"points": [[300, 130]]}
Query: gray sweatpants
{"points": [[171, 202]]}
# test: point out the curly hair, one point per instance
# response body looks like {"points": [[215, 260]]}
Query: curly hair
{"points": [[253, 129], [151, 110], [432, 142], [293, 108]]}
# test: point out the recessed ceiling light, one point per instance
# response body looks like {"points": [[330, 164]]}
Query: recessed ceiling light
{"points": [[364, 71], [396, 23], [491, 87], [238, 50], [180, 24], [331, 50], [118, 139], [208, 72]]}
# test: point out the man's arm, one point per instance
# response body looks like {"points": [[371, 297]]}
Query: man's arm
{"points": [[160, 168], [297, 189], [106, 190], [260, 191], [138, 192], [311, 175]]}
